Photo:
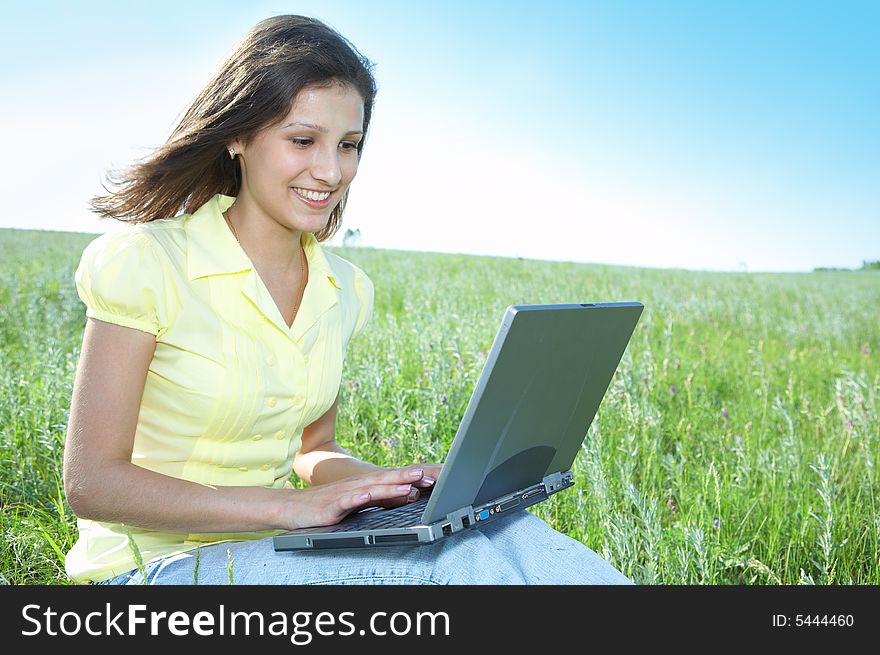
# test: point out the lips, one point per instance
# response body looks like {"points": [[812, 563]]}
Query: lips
{"points": [[318, 196], [312, 198]]}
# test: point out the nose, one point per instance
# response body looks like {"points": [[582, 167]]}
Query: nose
{"points": [[325, 166]]}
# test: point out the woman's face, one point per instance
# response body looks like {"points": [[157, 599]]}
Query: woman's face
{"points": [[297, 171]]}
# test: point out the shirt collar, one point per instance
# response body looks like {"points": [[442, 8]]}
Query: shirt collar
{"points": [[212, 249]]}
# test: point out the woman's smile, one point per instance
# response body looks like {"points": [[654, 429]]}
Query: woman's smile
{"points": [[316, 199]]}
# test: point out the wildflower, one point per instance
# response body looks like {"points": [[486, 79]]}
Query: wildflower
{"points": [[677, 363], [724, 414], [443, 398], [737, 440], [716, 523], [673, 390], [355, 386], [672, 504], [390, 441], [481, 354]]}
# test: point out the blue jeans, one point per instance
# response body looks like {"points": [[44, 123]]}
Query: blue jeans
{"points": [[521, 549]]}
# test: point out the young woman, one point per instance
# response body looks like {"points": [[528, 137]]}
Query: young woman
{"points": [[213, 349]]}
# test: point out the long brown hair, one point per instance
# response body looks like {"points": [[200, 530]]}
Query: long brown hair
{"points": [[252, 90]]}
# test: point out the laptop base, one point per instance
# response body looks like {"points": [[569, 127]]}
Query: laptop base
{"points": [[358, 530]]}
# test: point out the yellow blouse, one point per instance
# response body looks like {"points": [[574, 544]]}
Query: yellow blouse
{"points": [[230, 387]]}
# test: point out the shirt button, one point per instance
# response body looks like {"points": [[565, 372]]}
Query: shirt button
{"points": [[279, 434], [264, 467], [258, 437], [243, 469], [272, 402]]}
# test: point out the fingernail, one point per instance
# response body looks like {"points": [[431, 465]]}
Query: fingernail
{"points": [[429, 479], [413, 494], [404, 487], [417, 474]]}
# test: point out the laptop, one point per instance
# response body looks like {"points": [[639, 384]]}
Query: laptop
{"points": [[544, 378]]}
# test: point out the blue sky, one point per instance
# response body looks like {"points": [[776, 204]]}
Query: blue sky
{"points": [[702, 135]]}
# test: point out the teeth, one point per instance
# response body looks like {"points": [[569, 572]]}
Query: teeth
{"points": [[312, 195]]}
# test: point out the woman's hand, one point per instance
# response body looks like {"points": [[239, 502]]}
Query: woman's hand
{"points": [[430, 474], [329, 503]]}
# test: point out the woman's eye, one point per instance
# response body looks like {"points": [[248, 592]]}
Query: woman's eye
{"points": [[348, 145], [302, 142]]}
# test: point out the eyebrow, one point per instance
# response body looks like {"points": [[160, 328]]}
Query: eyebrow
{"points": [[317, 128]]}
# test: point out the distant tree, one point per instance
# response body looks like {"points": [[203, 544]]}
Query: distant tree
{"points": [[870, 266], [351, 238]]}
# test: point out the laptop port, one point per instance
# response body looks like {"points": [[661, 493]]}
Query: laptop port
{"points": [[466, 521], [447, 529], [507, 504], [396, 538], [533, 492]]}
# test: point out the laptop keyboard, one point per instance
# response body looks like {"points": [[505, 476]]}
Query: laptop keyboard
{"points": [[372, 519]]}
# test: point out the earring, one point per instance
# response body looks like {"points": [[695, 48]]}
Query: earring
{"points": [[231, 153]]}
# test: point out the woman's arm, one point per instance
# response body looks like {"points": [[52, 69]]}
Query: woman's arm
{"points": [[102, 484], [321, 460]]}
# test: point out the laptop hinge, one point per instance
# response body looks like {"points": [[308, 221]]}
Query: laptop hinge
{"points": [[461, 518], [558, 481]]}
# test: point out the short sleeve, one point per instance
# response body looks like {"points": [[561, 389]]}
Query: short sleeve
{"points": [[363, 288], [120, 280]]}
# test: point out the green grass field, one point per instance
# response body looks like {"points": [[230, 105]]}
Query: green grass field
{"points": [[738, 443]]}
